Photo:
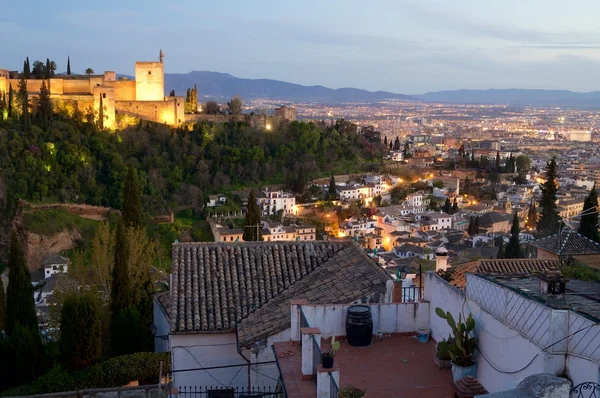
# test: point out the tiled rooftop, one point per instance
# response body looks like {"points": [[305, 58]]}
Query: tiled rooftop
{"points": [[501, 267], [391, 367], [216, 287], [571, 244]]}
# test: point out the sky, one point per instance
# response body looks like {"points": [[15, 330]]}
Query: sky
{"points": [[402, 46]]}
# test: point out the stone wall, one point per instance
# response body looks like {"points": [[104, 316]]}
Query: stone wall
{"points": [[168, 111], [149, 81], [124, 90]]}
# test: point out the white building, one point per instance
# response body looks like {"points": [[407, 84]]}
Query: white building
{"points": [[55, 265], [273, 201], [580, 135], [397, 156]]}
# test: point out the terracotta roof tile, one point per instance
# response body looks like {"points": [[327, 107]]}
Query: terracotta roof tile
{"points": [[571, 244], [505, 266]]}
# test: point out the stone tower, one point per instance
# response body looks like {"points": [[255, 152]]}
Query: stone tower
{"points": [[107, 93], [150, 80]]}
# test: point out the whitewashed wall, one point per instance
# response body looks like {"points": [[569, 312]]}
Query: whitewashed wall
{"points": [[387, 318]]}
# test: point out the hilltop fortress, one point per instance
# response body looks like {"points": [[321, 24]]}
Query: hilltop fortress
{"points": [[143, 97]]}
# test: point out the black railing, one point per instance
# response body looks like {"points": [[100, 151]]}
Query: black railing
{"points": [[280, 383], [334, 390], [586, 390], [225, 392], [316, 351], [303, 320], [411, 294]]}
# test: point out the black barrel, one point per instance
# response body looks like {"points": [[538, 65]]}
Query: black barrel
{"points": [[359, 326]]}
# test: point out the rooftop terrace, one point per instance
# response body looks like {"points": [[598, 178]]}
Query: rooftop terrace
{"points": [[393, 366]]}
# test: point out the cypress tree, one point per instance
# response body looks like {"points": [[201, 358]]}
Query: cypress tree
{"points": [[499, 242], [80, 330], [397, 144], [20, 307], [11, 99], [455, 207], [471, 230], [121, 283], [332, 188], [28, 73], [101, 114], [497, 166], [252, 219], [385, 140], [531, 217], [300, 183], [513, 249], [68, 65], [44, 105], [2, 306], [476, 230], [23, 97], [391, 145], [406, 150], [447, 206], [131, 211], [549, 218], [588, 225], [47, 69]]}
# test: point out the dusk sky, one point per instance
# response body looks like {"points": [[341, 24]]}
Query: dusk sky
{"points": [[404, 46]]}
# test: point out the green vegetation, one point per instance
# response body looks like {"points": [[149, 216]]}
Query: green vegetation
{"points": [[52, 221], [117, 371], [549, 218], [588, 226], [580, 271], [252, 220], [513, 249]]}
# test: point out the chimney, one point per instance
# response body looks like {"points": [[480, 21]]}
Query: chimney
{"points": [[397, 291], [441, 259], [552, 283]]}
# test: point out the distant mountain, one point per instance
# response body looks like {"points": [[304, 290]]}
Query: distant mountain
{"points": [[217, 85], [551, 98]]}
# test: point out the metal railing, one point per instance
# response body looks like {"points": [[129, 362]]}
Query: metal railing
{"points": [[280, 383], [316, 351], [411, 294], [224, 392], [334, 390]]}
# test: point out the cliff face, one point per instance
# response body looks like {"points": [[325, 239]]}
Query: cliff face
{"points": [[38, 247]]}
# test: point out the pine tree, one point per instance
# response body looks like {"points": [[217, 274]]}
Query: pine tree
{"points": [[447, 206], [121, 283], [44, 105], [252, 219], [101, 114], [2, 306], [20, 307], [332, 188], [131, 211], [23, 97], [80, 330], [531, 217], [68, 65], [588, 225], [455, 207], [497, 166], [549, 218], [513, 249]]}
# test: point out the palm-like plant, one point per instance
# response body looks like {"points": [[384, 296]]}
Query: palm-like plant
{"points": [[462, 349]]}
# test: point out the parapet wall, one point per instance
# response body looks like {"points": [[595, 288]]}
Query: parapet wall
{"points": [[168, 111]]}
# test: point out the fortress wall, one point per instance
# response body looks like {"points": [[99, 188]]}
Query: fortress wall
{"points": [[75, 86], [3, 84], [56, 86], [164, 111], [124, 90], [149, 81]]}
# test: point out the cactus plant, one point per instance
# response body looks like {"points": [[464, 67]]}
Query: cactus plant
{"points": [[462, 349], [443, 349]]}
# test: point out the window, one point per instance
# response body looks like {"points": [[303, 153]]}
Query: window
{"points": [[224, 239], [149, 72]]}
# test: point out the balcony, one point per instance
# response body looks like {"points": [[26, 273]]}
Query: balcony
{"points": [[396, 364]]}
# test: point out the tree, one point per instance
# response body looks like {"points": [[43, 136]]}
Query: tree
{"points": [[406, 150], [11, 99], [397, 144], [81, 330], [131, 211], [252, 219], [52, 68], [332, 188], [26, 69], [101, 114], [447, 206], [20, 307], [44, 105], [513, 249], [588, 225], [300, 182], [89, 71], [172, 93], [39, 69], [235, 106], [68, 65], [471, 227], [47, 69], [103, 257], [499, 243], [497, 166], [455, 207], [385, 141], [25, 354], [531, 217], [549, 218], [523, 163], [211, 108], [23, 97], [120, 295], [2, 306]]}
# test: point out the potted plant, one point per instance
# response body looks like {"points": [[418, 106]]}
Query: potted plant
{"points": [[442, 356], [462, 349], [327, 357], [352, 392]]}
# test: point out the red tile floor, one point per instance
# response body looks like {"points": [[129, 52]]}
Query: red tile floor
{"points": [[398, 367]]}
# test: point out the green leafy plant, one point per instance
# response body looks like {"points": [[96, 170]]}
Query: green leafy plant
{"points": [[462, 349], [443, 349], [334, 347], [352, 392]]}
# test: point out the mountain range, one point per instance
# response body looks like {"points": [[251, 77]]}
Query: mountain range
{"points": [[221, 86]]}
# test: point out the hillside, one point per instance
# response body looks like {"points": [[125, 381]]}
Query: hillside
{"points": [[224, 86], [551, 98]]}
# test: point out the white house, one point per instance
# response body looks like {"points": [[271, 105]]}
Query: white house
{"points": [[397, 156], [55, 264], [216, 200], [229, 303], [274, 201]]}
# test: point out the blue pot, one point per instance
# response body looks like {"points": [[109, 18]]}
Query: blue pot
{"points": [[460, 372], [423, 335]]}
